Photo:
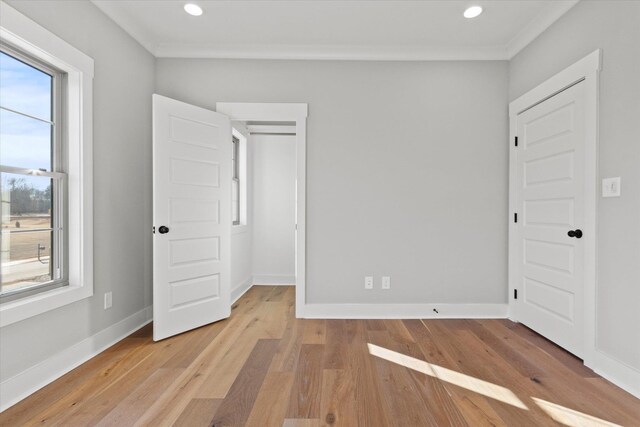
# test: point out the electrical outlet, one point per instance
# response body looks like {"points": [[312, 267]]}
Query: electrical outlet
{"points": [[108, 300], [368, 282], [386, 282]]}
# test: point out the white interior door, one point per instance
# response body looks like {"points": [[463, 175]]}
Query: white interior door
{"points": [[191, 217], [551, 211]]}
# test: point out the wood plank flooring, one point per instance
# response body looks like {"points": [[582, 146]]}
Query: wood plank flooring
{"points": [[263, 367]]}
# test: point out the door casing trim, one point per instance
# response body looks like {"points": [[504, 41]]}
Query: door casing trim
{"points": [[587, 69], [284, 112]]}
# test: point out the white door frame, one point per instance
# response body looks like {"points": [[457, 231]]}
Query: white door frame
{"points": [[587, 70], [284, 112]]}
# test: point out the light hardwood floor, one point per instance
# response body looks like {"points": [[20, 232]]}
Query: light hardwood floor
{"points": [[263, 367]]}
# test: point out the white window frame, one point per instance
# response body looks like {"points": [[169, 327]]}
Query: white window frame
{"points": [[242, 177], [56, 174], [24, 35], [235, 198]]}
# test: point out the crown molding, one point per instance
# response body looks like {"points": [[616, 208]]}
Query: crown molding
{"points": [[538, 25], [326, 52]]}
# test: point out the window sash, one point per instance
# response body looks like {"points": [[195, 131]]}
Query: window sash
{"points": [[57, 154], [235, 195], [32, 172], [235, 158], [58, 231], [235, 201]]}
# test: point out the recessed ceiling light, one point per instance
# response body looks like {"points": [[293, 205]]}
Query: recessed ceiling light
{"points": [[472, 11], [193, 9]]}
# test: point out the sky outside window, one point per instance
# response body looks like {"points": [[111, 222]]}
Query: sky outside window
{"points": [[24, 88], [25, 142]]}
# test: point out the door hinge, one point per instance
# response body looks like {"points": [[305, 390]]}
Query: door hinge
{"points": [[154, 229], [515, 217], [515, 294], [516, 141]]}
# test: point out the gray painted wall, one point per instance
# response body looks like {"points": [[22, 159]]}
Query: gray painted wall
{"points": [[406, 169], [615, 28], [123, 84]]}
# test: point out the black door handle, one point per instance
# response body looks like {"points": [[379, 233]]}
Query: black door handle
{"points": [[575, 233], [163, 229]]}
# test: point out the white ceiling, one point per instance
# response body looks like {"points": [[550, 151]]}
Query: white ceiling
{"points": [[328, 29]]}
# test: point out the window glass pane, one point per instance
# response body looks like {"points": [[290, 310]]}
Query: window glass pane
{"points": [[235, 196], [24, 142], [24, 88], [234, 159], [25, 259], [26, 202], [26, 236]]}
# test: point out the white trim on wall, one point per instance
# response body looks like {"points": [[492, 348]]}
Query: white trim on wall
{"points": [[273, 279], [406, 311], [624, 376], [241, 289], [586, 69], [284, 112], [332, 53], [18, 387]]}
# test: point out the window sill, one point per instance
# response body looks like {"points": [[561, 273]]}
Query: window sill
{"points": [[24, 308]]}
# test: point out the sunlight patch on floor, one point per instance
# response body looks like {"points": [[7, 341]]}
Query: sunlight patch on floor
{"points": [[569, 417], [476, 385]]}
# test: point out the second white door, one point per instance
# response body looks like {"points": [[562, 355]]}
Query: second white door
{"points": [[192, 216], [551, 211]]}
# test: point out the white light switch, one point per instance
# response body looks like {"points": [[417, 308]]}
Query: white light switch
{"points": [[108, 300], [611, 187]]}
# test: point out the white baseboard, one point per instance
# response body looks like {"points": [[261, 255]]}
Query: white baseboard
{"points": [[405, 311], [272, 279], [619, 373], [34, 378], [241, 289]]}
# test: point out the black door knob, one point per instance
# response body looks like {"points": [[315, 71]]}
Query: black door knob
{"points": [[575, 233], [163, 229]]}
